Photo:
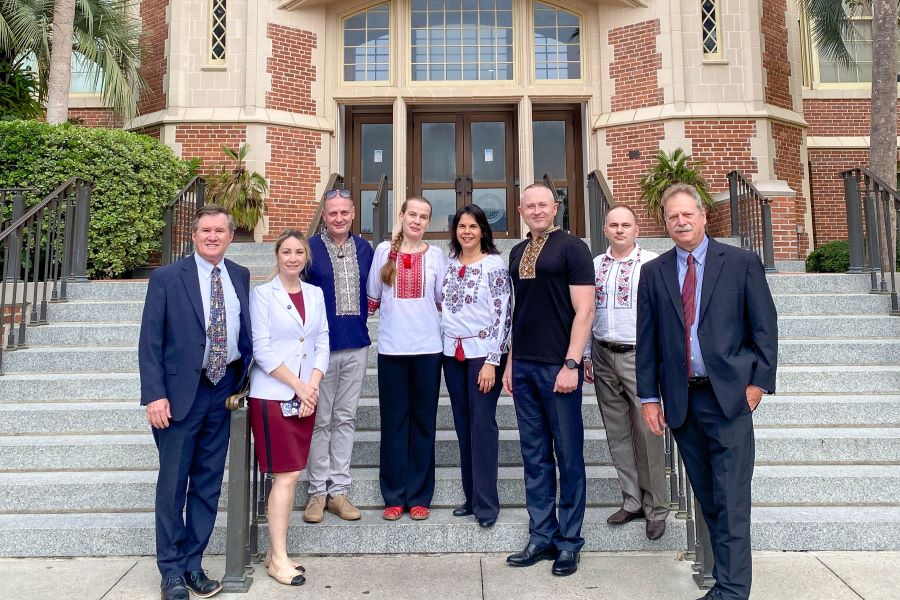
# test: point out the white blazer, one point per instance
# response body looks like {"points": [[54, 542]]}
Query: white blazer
{"points": [[281, 336]]}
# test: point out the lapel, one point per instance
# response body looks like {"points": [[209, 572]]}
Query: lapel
{"points": [[669, 268], [191, 281], [714, 262], [284, 300]]}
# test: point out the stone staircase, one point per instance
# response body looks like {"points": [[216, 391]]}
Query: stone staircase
{"points": [[78, 471]]}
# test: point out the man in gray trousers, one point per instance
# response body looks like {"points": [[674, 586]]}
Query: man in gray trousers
{"points": [[637, 454], [340, 266]]}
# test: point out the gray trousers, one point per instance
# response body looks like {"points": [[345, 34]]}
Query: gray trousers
{"points": [[637, 454], [332, 439]]}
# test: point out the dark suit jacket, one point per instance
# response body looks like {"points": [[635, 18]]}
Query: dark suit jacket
{"points": [[173, 333], [738, 330]]}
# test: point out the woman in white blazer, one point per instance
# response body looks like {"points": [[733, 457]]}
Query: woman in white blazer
{"points": [[290, 350]]}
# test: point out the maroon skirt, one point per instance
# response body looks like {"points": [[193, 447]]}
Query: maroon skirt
{"points": [[282, 443]]}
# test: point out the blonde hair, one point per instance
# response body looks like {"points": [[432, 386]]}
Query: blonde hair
{"points": [[389, 270], [304, 243]]}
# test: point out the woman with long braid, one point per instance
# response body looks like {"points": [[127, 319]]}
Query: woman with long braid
{"points": [[405, 283]]}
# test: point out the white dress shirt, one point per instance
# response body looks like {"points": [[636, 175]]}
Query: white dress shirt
{"points": [[616, 286], [232, 306]]}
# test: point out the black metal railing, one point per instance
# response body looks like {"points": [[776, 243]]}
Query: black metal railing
{"points": [[751, 218], [599, 202], [380, 212], [176, 241], [561, 205], [873, 229], [42, 251], [335, 182]]}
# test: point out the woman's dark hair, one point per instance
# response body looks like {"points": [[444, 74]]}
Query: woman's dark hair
{"points": [[487, 236]]}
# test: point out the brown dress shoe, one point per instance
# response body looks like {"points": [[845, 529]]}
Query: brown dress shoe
{"points": [[315, 509], [656, 529], [622, 516], [341, 506]]}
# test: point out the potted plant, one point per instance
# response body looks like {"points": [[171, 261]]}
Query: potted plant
{"points": [[668, 170], [239, 190]]}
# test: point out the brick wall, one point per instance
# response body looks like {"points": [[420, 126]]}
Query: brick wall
{"points": [[724, 146], [153, 58], [292, 174], [635, 65], [292, 70], [776, 62], [788, 213], [151, 131], [624, 174], [205, 142], [828, 207], [96, 117], [839, 117]]}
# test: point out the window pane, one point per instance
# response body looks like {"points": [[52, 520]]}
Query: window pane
{"points": [[366, 45], [557, 43], [443, 207], [493, 203], [489, 151], [438, 152], [549, 149], [365, 210], [377, 147]]}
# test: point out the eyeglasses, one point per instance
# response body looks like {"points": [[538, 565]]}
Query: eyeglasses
{"points": [[335, 193]]}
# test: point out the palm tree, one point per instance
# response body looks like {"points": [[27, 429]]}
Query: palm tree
{"points": [[830, 28], [104, 34], [60, 78], [237, 188], [669, 169]]}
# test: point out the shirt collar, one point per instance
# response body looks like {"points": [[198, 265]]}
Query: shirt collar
{"points": [[544, 234], [699, 252], [632, 256], [204, 267]]}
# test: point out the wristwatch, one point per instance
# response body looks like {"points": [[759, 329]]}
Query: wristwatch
{"points": [[571, 364]]}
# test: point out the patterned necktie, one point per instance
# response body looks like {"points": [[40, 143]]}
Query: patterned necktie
{"points": [[688, 300], [218, 336]]}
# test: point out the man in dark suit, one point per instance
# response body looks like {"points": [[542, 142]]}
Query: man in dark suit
{"points": [[707, 342], [193, 350]]}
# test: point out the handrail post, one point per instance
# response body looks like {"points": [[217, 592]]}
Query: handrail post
{"points": [[854, 222], [705, 557], [237, 533], [166, 255], [873, 236], [768, 241], [887, 201], [594, 210], [734, 202], [81, 227], [15, 239]]}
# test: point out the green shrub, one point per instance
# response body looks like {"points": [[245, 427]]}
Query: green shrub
{"points": [[833, 257], [134, 176]]}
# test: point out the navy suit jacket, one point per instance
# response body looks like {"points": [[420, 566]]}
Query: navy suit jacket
{"points": [[737, 330], [173, 333]]}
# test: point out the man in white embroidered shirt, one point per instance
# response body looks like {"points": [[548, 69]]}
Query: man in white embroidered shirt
{"points": [[637, 454]]}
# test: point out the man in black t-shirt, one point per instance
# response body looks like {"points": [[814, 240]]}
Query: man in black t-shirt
{"points": [[553, 276]]}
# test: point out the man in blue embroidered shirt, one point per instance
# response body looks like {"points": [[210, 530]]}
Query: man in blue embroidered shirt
{"points": [[340, 266]]}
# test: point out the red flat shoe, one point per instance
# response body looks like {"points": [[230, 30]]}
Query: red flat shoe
{"points": [[392, 513], [419, 513]]}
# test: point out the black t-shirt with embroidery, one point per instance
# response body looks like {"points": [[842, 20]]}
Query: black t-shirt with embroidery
{"points": [[543, 311]]}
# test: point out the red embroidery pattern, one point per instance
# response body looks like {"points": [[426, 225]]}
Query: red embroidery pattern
{"points": [[410, 282]]}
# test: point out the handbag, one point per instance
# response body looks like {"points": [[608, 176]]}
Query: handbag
{"points": [[239, 398]]}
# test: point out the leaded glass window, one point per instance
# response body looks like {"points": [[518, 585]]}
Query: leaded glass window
{"points": [[367, 44], [461, 40], [217, 31], [557, 43], [859, 45], [709, 17]]}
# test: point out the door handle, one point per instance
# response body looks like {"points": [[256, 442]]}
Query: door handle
{"points": [[470, 185]]}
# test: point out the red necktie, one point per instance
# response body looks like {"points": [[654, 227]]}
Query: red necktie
{"points": [[688, 295]]}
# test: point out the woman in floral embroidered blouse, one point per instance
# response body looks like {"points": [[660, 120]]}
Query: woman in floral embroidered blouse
{"points": [[405, 283], [475, 323]]}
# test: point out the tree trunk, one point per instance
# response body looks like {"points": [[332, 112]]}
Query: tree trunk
{"points": [[883, 133], [60, 77]]}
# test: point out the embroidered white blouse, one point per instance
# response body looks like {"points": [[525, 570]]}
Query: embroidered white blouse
{"points": [[410, 320], [615, 319], [476, 308]]}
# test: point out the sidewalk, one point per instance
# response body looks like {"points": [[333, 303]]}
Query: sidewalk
{"points": [[607, 576]]}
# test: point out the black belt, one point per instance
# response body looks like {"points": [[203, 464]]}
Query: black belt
{"points": [[233, 364], [617, 348], [698, 382]]}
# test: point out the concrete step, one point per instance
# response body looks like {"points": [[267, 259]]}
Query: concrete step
{"points": [[843, 351], [791, 379], [818, 283], [89, 491], [869, 528], [64, 334], [837, 445], [846, 326], [97, 311], [831, 304]]}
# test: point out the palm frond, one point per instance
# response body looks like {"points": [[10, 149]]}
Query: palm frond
{"points": [[831, 27]]}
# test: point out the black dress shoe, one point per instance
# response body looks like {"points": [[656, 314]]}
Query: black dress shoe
{"points": [[485, 523], [656, 529], [712, 594], [530, 555], [622, 516], [462, 510], [201, 585], [173, 589], [566, 563]]}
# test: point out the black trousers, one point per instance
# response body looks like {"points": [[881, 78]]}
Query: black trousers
{"points": [[718, 456], [408, 388], [475, 420]]}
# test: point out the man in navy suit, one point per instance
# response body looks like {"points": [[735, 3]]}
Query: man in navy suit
{"points": [[193, 351], [707, 342]]}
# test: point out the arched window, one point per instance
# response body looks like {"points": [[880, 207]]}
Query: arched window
{"points": [[557, 43], [217, 32], [367, 44], [709, 19]]}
